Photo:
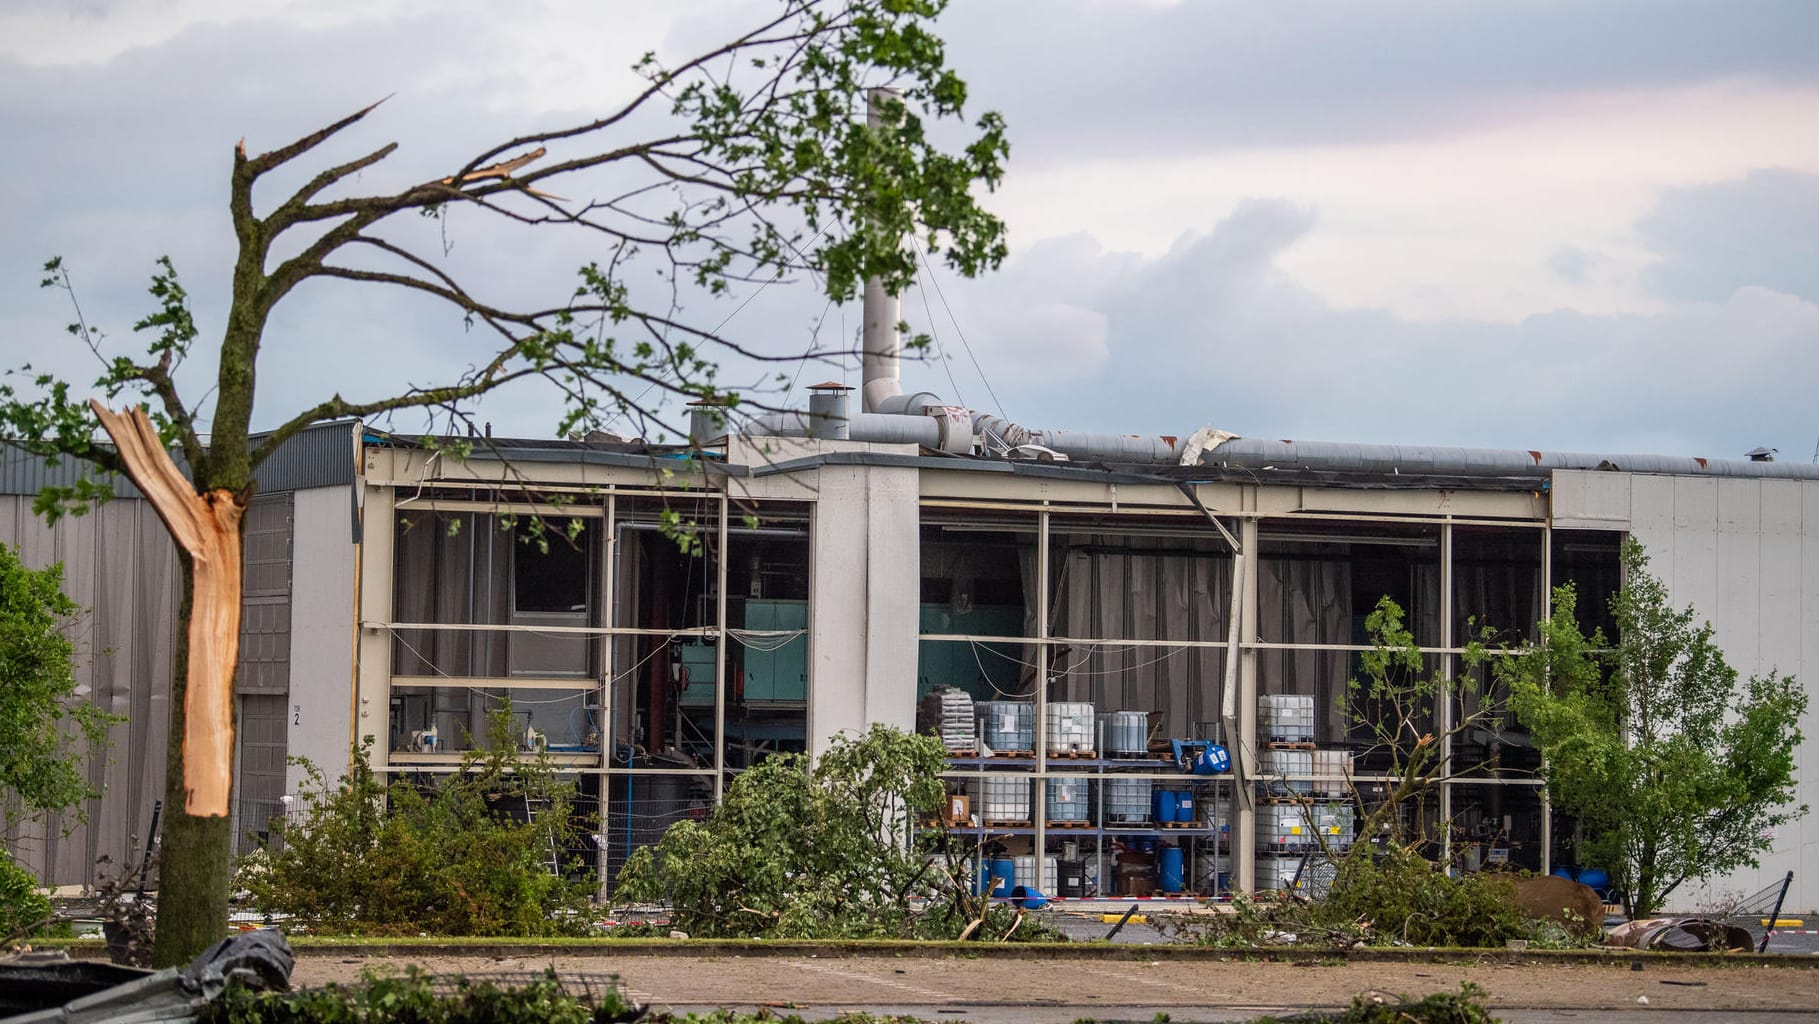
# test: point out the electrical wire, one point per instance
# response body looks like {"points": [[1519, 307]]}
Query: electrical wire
{"points": [[968, 345]]}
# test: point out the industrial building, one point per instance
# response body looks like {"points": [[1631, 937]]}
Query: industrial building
{"points": [[690, 609]]}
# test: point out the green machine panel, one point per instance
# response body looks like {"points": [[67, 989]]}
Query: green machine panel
{"points": [[985, 670], [778, 674], [698, 658]]}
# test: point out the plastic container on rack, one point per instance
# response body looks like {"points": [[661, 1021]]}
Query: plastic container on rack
{"points": [[1009, 726], [1067, 800], [1003, 873], [1282, 828], [1293, 770], [1332, 769], [1026, 873], [1185, 811], [1127, 733], [1285, 718], [1006, 798], [1071, 882], [1171, 873], [1127, 801], [1335, 823], [1276, 874], [1069, 727], [1162, 806]]}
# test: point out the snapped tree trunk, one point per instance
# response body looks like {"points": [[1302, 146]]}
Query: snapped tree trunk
{"points": [[197, 846]]}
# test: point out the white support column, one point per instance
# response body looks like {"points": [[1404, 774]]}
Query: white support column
{"points": [[1244, 796], [719, 653], [893, 595], [1547, 612], [372, 689], [1039, 793], [1444, 713]]}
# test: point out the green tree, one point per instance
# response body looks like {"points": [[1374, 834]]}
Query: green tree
{"points": [[744, 164], [1673, 767], [41, 726], [468, 853], [1396, 701], [818, 848]]}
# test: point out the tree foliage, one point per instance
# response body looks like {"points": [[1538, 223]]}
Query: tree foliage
{"points": [[1673, 767], [744, 164], [455, 855], [41, 726], [1397, 699], [820, 848]]}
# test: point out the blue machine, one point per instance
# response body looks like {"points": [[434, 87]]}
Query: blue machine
{"points": [[1201, 757]]}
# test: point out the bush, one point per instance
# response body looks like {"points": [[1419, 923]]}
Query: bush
{"points": [[1401, 897], [803, 848], [443, 857], [23, 908], [1389, 897], [418, 998]]}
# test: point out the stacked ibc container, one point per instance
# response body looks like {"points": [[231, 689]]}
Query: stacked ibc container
{"points": [[1285, 718]]}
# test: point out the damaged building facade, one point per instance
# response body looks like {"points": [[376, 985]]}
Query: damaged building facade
{"points": [[690, 610], [693, 610]]}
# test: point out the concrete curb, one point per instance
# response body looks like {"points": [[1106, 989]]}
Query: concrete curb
{"points": [[307, 946]]}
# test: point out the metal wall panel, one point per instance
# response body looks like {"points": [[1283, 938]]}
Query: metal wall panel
{"points": [[1583, 500], [265, 620], [122, 568], [1745, 554]]}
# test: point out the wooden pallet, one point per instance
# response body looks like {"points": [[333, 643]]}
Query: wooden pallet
{"points": [[1070, 824], [1002, 823], [966, 753], [1013, 753], [1288, 798], [1289, 745], [1181, 824], [1081, 755]]}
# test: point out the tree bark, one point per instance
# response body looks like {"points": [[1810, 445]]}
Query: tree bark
{"points": [[197, 848]]}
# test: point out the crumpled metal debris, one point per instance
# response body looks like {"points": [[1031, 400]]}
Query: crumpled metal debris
{"points": [[1681, 935], [262, 959]]}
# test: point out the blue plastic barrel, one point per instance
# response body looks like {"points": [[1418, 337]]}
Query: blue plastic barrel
{"points": [[1170, 870], [1004, 875], [1162, 805], [1184, 805], [1028, 897]]}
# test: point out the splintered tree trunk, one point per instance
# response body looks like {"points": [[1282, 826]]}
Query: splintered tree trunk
{"points": [[195, 857]]}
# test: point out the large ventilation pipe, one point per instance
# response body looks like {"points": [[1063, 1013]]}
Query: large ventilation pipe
{"points": [[1335, 457], [880, 346], [889, 415]]}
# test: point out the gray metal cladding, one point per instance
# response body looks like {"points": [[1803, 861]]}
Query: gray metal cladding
{"points": [[320, 456], [118, 565]]}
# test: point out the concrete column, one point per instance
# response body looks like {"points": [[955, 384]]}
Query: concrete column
{"points": [[893, 596], [1244, 799], [322, 640], [373, 603], [837, 606]]}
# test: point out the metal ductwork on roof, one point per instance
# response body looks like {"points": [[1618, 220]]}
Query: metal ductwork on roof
{"points": [[1390, 459]]}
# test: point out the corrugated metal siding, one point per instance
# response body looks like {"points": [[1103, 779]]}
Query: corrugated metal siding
{"points": [[265, 621], [120, 565], [321, 456]]}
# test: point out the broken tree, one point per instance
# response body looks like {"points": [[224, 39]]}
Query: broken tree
{"points": [[759, 164]]}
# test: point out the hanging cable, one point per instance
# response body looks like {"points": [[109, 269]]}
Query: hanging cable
{"points": [[950, 315]]}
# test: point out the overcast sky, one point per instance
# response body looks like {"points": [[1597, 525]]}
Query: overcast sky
{"points": [[1562, 224]]}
